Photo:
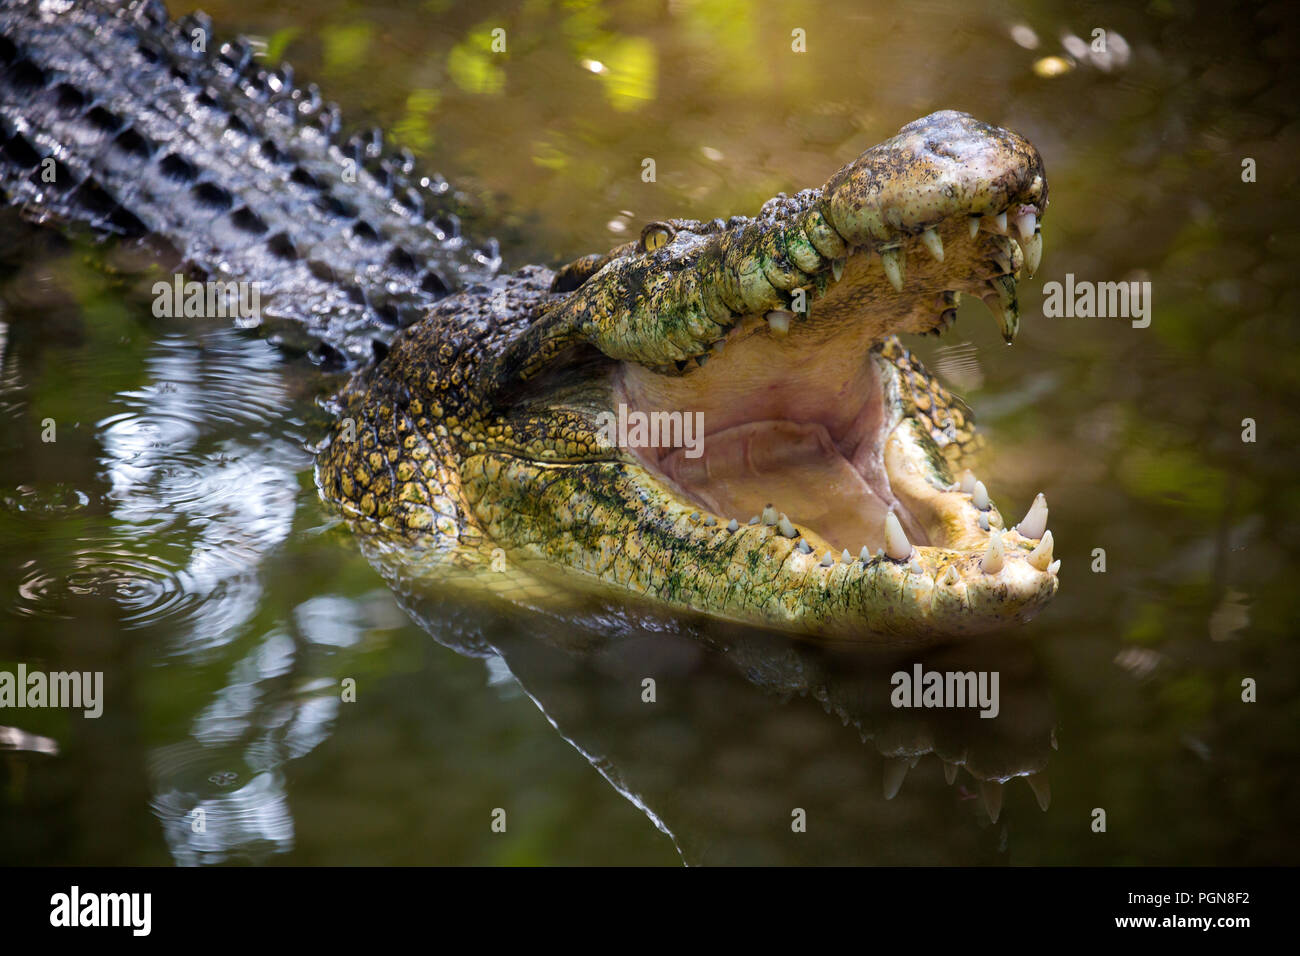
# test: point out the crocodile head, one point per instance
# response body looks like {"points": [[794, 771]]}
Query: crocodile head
{"points": [[718, 416]]}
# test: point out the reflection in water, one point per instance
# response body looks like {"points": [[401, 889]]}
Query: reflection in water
{"points": [[199, 490], [734, 742]]}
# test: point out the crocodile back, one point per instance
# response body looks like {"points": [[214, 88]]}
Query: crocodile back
{"points": [[115, 116]]}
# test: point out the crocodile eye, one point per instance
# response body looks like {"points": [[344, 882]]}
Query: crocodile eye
{"points": [[656, 235]]}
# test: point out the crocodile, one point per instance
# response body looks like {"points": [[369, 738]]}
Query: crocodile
{"points": [[830, 494]]}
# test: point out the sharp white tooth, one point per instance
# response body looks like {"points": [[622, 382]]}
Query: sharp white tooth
{"points": [[893, 262], [991, 792], [895, 771], [754, 520], [1001, 301], [864, 555], [828, 559], [1034, 523], [1054, 567], [896, 544], [1026, 223], [732, 525], [980, 496], [974, 222], [967, 481], [804, 547], [786, 528], [1001, 220], [1041, 556], [984, 521], [837, 268], [949, 772], [991, 563], [769, 515], [1033, 248], [710, 521], [845, 556], [778, 320], [930, 239], [949, 576], [1042, 789]]}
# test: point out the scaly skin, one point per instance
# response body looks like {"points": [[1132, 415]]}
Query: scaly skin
{"points": [[473, 451]]}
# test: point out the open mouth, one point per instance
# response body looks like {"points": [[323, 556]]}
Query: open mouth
{"points": [[819, 426]]}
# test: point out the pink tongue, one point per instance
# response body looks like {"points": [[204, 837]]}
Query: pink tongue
{"points": [[794, 467]]}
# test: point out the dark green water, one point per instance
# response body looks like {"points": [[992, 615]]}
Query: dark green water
{"points": [[171, 536]]}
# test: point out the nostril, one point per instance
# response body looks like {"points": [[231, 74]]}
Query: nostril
{"points": [[942, 148]]}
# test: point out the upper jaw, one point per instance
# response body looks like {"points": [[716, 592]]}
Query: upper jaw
{"points": [[664, 305]]}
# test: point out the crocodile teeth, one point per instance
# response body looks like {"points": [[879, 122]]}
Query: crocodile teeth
{"points": [[1033, 249], [827, 559], [949, 772], [1034, 523], [893, 263], [769, 515], [1025, 223], [991, 563], [864, 555], [1041, 556], [786, 528], [1002, 303], [896, 544], [754, 520], [1001, 220], [984, 521], [1054, 567], [837, 269], [895, 771], [980, 496], [710, 521], [991, 793], [732, 525], [804, 547], [974, 222], [778, 320], [930, 239], [967, 481], [949, 576], [1042, 789], [845, 556]]}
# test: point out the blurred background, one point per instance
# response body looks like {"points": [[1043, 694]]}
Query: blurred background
{"points": [[172, 537]]}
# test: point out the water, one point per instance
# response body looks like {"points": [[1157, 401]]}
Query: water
{"points": [[171, 536]]}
